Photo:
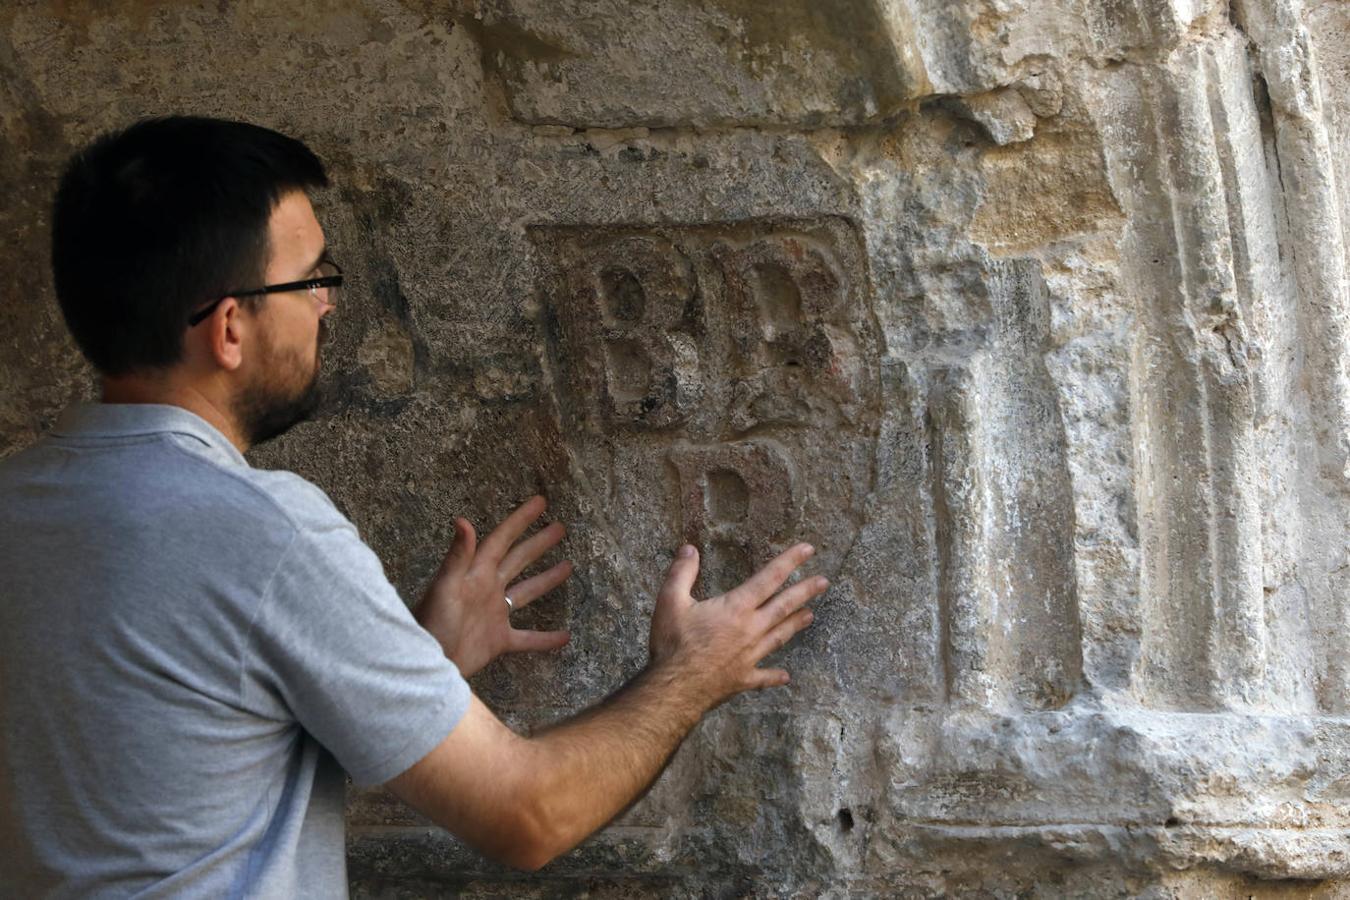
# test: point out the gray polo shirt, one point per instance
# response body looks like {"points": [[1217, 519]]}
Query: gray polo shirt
{"points": [[191, 652]]}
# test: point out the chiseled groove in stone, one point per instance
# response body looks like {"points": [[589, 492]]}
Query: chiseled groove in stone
{"points": [[1316, 247], [1318, 237], [1234, 380], [1264, 852], [989, 827], [1175, 668], [1011, 634], [1268, 325], [961, 564], [1216, 328], [1030, 498]]}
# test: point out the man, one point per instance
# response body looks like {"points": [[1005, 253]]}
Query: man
{"points": [[192, 650]]}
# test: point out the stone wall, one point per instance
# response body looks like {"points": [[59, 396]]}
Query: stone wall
{"points": [[1032, 315]]}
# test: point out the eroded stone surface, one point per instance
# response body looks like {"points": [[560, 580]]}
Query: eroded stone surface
{"points": [[1033, 316]]}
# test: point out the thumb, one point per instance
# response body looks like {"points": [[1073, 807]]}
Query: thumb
{"points": [[462, 548], [680, 579]]}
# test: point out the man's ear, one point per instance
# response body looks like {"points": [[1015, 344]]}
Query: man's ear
{"points": [[227, 330]]}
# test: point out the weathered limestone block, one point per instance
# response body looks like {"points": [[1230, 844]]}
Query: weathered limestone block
{"points": [[1033, 316], [730, 61], [738, 62]]}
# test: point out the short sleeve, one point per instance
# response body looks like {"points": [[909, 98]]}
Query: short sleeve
{"points": [[334, 646]]}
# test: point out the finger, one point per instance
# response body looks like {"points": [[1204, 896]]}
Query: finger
{"points": [[681, 576], [513, 526], [780, 634], [789, 601], [524, 592], [767, 678], [762, 585], [460, 555], [522, 641], [527, 551]]}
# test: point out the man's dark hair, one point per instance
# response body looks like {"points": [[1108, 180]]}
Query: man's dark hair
{"points": [[159, 219]]}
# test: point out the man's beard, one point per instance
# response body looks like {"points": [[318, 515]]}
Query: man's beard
{"points": [[265, 411]]}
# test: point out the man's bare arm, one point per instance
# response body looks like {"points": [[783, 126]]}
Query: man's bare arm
{"points": [[524, 800]]}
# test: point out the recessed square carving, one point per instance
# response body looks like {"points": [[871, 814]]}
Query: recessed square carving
{"points": [[716, 382]]}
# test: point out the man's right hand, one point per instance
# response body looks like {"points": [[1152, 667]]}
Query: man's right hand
{"points": [[715, 645]]}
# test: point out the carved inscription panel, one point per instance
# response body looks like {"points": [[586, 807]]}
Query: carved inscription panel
{"points": [[716, 383]]}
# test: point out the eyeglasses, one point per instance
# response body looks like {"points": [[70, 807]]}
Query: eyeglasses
{"points": [[329, 281]]}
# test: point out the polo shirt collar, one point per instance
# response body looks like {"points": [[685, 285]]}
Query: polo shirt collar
{"points": [[112, 420]]}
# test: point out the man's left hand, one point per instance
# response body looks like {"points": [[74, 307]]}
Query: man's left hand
{"points": [[465, 606]]}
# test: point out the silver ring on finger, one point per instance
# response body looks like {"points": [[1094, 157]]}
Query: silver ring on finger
{"points": [[510, 606]]}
